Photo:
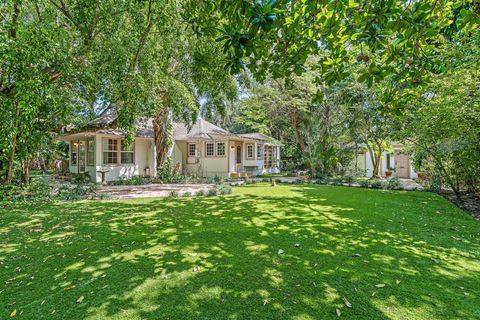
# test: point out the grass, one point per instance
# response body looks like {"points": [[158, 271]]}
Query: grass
{"points": [[283, 252]]}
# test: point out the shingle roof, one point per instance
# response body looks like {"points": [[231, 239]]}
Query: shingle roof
{"points": [[260, 136], [202, 129]]}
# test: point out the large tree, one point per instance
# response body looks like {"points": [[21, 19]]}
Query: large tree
{"points": [[385, 38], [67, 58]]}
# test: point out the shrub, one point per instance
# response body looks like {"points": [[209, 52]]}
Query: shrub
{"points": [[77, 192], [80, 177], [173, 194], [337, 181], [218, 179], [435, 183], [187, 194], [376, 184], [224, 188], [212, 192], [200, 193], [39, 190], [349, 179], [363, 183], [393, 183]]}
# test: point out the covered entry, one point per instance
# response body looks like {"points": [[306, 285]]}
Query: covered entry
{"points": [[402, 165]]}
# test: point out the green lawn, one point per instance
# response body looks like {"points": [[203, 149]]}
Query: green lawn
{"points": [[219, 258]]}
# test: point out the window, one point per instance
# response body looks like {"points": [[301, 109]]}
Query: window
{"points": [[389, 161], [73, 153], [90, 152], [110, 151], [127, 153], [259, 152], [209, 149], [192, 149], [220, 149], [250, 154]]}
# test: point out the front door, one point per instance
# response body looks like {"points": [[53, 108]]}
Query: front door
{"points": [[232, 159], [81, 156], [402, 165], [239, 159]]}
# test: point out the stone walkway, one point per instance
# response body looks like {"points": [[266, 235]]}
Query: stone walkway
{"points": [[152, 190]]}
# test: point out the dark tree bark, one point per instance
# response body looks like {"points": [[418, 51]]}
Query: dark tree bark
{"points": [[162, 127]]}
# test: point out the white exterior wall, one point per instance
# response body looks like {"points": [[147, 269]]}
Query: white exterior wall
{"points": [[383, 165], [212, 166], [144, 157], [413, 173], [255, 162]]}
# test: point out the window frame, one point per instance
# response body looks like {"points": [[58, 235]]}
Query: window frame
{"points": [[207, 154], [224, 149], [122, 152], [73, 151], [247, 145], [106, 150], [189, 149], [90, 142], [260, 152]]}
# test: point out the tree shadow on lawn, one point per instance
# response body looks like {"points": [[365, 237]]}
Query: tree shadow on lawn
{"points": [[219, 258]]}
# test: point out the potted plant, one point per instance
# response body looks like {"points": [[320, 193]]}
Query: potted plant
{"points": [[389, 172]]}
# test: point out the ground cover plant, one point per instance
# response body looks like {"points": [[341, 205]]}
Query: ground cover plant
{"points": [[264, 252]]}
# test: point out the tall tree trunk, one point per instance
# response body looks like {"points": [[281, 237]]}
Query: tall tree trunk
{"points": [[296, 128], [13, 149], [375, 153], [163, 127], [12, 33], [26, 171]]}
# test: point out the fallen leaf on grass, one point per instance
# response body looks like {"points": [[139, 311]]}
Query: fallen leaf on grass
{"points": [[80, 300], [356, 255], [265, 302], [339, 313], [14, 313], [380, 285], [397, 282], [347, 303], [70, 287], [280, 251], [197, 269]]}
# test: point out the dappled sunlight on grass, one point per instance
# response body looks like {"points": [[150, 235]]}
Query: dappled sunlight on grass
{"points": [[289, 252]]}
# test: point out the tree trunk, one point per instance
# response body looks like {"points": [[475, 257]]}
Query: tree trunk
{"points": [[298, 135], [26, 172], [162, 126], [444, 173], [376, 156], [13, 150], [372, 158]]}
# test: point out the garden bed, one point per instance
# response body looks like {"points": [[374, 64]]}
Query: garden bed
{"points": [[471, 202]]}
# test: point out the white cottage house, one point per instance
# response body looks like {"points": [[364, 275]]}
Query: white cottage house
{"points": [[395, 161], [202, 149]]}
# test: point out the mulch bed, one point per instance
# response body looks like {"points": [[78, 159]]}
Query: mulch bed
{"points": [[471, 202]]}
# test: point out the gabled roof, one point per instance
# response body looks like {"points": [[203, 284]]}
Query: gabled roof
{"points": [[200, 130], [261, 137]]}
